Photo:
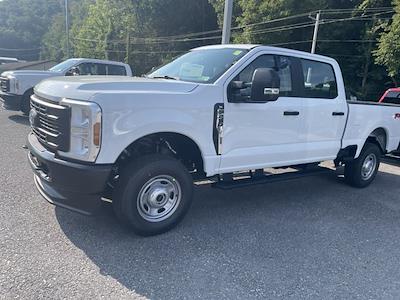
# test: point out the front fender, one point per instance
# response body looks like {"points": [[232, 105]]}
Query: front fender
{"points": [[130, 121]]}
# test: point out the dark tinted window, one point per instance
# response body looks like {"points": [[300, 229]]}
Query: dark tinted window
{"points": [[100, 69], [92, 69], [263, 61], [392, 97], [116, 70], [319, 80]]}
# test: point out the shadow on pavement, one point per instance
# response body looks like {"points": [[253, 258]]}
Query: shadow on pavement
{"points": [[20, 119], [282, 239]]}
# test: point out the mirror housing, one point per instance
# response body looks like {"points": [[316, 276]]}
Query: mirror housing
{"points": [[74, 71], [265, 85]]}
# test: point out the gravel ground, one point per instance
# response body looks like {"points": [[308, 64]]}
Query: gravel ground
{"points": [[312, 238]]}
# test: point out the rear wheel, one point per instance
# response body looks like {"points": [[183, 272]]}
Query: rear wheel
{"points": [[153, 194], [362, 171]]}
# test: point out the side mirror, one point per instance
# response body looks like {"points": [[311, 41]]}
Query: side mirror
{"points": [[73, 72], [265, 85]]}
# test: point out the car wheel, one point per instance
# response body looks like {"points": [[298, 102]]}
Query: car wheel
{"points": [[26, 103], [153, 194], [362, 171]]}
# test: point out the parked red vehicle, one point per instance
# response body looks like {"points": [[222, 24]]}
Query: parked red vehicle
{"points": [[391, 96]]}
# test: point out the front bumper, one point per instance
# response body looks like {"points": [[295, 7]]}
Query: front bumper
{"points": [[11, 101], [74, 186]]}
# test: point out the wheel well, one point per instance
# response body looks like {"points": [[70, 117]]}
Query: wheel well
{"points": [[378, 137], [29, 92], [176, 145]]}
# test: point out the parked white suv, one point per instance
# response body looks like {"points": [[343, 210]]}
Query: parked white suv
{"points": [[16, 87], [214, 112]]}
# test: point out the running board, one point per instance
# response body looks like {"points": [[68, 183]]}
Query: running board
{"points": [[267, 178]]}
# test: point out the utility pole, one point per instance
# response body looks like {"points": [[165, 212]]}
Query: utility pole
{"points": [[315, 35], [226, 30], [128, 45], [67, 26]]}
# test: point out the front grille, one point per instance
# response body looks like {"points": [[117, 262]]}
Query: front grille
{"points": [[50, 123], [4, 85]]}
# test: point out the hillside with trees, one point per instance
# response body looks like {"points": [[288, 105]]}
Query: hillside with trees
{"points": [[363, 35]]}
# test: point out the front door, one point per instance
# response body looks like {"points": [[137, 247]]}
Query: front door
{"points": [[259, 135]]}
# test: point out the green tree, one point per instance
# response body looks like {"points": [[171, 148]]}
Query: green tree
{"points": [[106, 25], [54, 42], [388, 52], [142, 32], [23, 24]]}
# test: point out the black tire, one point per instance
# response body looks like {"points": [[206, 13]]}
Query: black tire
{"points": [[355, 175], [129, 207], [26, 103]]}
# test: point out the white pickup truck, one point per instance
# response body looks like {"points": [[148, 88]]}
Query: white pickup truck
{"points": [[16, 87], [214, 112]]}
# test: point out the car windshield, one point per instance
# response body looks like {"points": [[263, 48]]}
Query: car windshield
{"points": [[203, 66], [64, 66]]}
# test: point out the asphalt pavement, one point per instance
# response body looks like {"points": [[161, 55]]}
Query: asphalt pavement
{"points": [[311, 238]]}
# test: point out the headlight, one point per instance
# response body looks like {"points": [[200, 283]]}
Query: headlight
{"points": [[85, 136], [14, 84]]}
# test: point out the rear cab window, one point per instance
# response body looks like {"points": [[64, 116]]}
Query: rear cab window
{"points": [[319, 80], [116, 70]]}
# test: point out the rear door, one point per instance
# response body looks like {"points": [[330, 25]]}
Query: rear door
{"points": [[325, 110]]}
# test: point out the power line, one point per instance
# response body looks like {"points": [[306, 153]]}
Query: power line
{"points": [[290, 27], [337, 10], [167, 40], [188, 35]]}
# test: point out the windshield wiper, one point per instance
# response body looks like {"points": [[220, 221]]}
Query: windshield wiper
{"points": [[165, 77]]}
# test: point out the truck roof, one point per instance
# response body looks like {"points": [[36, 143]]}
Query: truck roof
{"points": [[264, 47], [99, 60]]}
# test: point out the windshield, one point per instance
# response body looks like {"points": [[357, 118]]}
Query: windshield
{"points": [[203, 66], [64, 66]]}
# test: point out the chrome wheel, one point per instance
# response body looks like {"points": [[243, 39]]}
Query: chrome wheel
{"points": [[368, 166], [159, 198]]}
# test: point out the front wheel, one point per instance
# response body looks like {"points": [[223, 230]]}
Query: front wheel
{"points": [[362, 171], [26, 103], [153, 194]]}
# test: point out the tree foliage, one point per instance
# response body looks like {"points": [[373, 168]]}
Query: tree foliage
{"points": [[388, 52], [23, 24]]}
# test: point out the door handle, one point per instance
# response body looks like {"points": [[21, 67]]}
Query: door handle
{"points": [[291, 113], [338, 113]]}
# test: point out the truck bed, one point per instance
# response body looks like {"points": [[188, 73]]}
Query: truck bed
{"points": [[365, 117]]}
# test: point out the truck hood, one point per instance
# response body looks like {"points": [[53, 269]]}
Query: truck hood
{"points": [[84, 87]]}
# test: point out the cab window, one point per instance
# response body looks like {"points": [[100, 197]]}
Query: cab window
{"points": [[319, 80], [281, 64], [92, 69], [116, 70]]}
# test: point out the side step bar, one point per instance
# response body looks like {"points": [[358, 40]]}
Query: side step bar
{"points": [[252, 179]]}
